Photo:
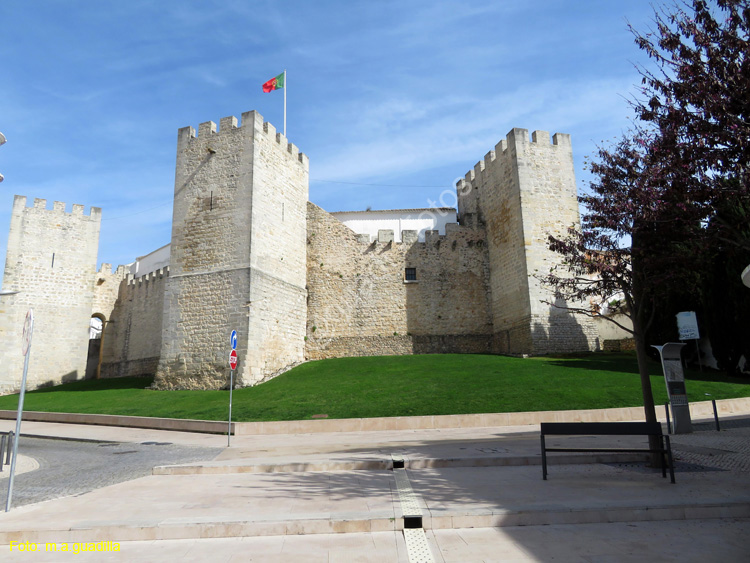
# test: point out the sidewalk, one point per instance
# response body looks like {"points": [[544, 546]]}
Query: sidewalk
{"points": [[333, 496]]}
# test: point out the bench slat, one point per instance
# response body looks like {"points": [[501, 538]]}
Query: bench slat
{"points": [[601, 428], [608, 429]]}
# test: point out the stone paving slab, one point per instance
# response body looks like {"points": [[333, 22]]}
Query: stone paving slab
{"points": [[695, 541], [195, 506], [212, 506], [712, 471], [377, 547]]}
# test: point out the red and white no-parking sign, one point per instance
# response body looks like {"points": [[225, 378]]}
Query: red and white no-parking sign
{"points": [[233, 359]]}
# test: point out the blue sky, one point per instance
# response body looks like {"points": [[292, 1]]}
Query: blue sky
{"points": [[392, 101]]}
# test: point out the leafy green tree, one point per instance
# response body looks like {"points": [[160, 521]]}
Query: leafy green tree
{"points": [[651, 213]]}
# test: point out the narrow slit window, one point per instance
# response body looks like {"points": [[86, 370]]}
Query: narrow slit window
{"points": [[410, 274]]}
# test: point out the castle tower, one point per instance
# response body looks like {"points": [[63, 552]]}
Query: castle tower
{"points": [[51, 261], [523, 191], [238, 255]]}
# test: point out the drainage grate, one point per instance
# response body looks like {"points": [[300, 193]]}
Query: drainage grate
{"points": [[398, 462], [409, 501], [411, 522], [417, 547]]}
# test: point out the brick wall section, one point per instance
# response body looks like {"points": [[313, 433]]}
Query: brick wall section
{"points": [[60, 292], [359, 303], [132, 339], [237, 255], [523, 191]]}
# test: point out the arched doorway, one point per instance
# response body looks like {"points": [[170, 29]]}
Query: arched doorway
{"points": [[97, 325]]}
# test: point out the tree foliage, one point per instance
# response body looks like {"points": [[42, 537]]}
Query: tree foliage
{"points": [[665, 196]]}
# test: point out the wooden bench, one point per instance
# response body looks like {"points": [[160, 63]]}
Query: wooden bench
{"points": [[609, 429]]}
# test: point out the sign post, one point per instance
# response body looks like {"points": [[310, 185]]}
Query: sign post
{"points": [[674, 377], [232, 367], [687, 326], [28, 329]]}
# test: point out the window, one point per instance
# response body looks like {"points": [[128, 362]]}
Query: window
{"points": [[410, 274]]}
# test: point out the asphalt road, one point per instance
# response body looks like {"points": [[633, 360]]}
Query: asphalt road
{"points": [[68, 467]]}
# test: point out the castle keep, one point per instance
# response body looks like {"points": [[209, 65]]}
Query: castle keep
{"points": [[250, 253]]}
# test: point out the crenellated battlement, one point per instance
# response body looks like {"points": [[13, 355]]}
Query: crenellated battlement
{"points": [[58, 208], [106, 268], [229, 125], [154, 276], [409, 237], [507, 159], [517, 139]]}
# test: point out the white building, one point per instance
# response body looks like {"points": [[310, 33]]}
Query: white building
{"points": [[420, 220]]}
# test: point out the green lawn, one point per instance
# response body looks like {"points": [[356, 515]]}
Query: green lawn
{"points": [[393, 386]]}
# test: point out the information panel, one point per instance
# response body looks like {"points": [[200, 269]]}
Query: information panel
{"points": [[674, 377]]}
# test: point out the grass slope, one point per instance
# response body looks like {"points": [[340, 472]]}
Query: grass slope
{"points": [[392, 386]]}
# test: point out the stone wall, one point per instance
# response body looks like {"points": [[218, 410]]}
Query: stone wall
{"points": [[237, 255], [249, 253], [106, 290], [51, 260], [131, 343], [359, 302]]}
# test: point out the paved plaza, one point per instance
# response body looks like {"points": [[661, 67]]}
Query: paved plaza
{"points": [[479, 494]]}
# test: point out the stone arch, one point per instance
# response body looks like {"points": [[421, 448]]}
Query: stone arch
{"points": [[97, 330]]}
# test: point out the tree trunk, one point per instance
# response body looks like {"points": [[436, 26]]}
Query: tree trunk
{"points": [[648, 396], [639, 241]]}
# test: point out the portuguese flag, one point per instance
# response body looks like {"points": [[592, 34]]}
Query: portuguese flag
{"points": [[275, 83]]}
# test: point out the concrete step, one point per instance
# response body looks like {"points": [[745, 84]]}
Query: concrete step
{"points": [[162, 507], [385, 463], [365, 523]]}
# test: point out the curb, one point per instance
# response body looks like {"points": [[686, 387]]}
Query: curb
{"points": [[703, 409], [386, 464], [432, 519]]}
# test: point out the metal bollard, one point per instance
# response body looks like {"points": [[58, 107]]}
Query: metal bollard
{"points": [[716, 415], [9, 451], [2, 450], [669, 422]]}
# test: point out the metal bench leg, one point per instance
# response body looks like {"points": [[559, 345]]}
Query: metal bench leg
{"points": [[544, 460], [669, 457], [663, 457]]}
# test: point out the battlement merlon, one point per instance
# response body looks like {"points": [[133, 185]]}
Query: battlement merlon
{"points": [[156, 275], [253, 119], [518, 137], [58, 207], [520, 140]]}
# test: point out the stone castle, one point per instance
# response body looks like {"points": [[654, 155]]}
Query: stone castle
{"points": [[250, 253]]}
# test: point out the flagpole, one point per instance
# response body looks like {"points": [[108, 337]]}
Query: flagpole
{"points": [[285, 86]]}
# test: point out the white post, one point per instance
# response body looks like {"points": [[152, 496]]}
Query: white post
{"points": [[28, 330], [285, 85], [229, 427]]}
